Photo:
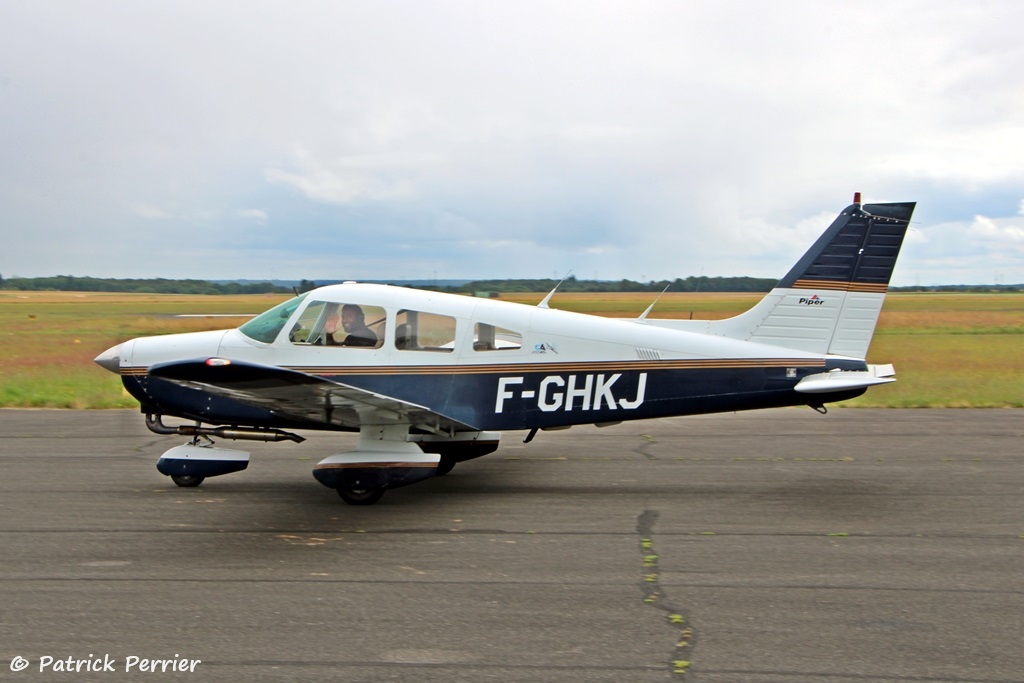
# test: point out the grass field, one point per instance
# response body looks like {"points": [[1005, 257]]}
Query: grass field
{"points": [[950, 350]]}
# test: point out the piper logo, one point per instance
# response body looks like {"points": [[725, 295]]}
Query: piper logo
{"points": [[813, 300]]}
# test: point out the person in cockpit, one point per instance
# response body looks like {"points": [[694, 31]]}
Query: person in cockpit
{"points": [[353, 322]]}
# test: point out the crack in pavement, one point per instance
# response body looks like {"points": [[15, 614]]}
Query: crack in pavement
{"points": [[655, 595], [644, 449]]}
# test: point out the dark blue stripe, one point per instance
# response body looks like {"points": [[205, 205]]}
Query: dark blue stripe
{"points": [[472, 399]]}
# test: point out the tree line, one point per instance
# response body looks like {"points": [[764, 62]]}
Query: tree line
{"points": [[571, 284], [72, 283]]}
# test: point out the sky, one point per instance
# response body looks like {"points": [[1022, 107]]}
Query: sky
{"points": [[648, 140]]}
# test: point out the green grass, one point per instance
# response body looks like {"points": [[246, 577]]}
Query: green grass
{"points": [[950, 350], [949, 370], [64, 388], [49, 339]]}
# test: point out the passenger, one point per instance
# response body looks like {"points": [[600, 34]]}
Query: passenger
{"points": [[403, 337], [354, 323]]}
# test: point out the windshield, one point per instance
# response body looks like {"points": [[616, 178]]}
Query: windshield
{"points": [[266, 326]]}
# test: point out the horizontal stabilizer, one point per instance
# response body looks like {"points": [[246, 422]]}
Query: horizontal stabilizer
{"points": [[844, 380]]}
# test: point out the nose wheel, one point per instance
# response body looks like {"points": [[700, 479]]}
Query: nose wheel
{"points": [[187, 480]]}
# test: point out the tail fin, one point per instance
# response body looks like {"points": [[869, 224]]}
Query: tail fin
{"points": [[830, 300]]}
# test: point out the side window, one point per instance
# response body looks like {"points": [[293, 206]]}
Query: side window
{"points": [[325, 323], [493, 338], [419, 331]]}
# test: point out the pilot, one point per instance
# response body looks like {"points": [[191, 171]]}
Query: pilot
{"points": [[354, 324]]}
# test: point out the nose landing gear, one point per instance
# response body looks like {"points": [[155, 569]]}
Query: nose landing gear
{"points": [[189, 465]]}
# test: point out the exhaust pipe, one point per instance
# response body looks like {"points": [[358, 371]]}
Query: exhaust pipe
{"points": [[155, 424]]}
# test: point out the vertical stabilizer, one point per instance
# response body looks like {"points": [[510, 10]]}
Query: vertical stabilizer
{"points": [[830, 300]]}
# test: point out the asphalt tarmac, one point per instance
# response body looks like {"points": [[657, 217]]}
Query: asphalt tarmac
{"points": [[771, 547]]}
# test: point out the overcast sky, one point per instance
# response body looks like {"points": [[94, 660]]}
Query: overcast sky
{"points": [[376, 140]]}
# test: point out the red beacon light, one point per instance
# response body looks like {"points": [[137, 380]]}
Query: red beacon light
{"points": [[856, 198]]}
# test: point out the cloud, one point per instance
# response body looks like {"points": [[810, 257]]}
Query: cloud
{"points": [[658, 139], [150, 212], [983, 250], [999, 232], [353, 178], [256, 215]]}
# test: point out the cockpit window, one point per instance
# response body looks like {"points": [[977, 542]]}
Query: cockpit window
{"points": [[324, 323], [266, 326]]}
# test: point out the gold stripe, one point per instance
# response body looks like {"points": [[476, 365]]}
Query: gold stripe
{"points": [[547, 368], [556, 368], [867, 287], [832, 285]]}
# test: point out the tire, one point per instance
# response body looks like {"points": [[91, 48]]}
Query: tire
{"points": [[446, 465], [187, 480], [361, 496]]}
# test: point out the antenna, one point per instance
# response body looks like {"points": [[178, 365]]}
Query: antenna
{"points": [[545, 300], [696, 289], [643, 316]]}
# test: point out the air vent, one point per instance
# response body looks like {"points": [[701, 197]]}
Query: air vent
{"points": [[647, 354]]}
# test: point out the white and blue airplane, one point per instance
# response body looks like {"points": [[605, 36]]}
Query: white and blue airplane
{"points": [[429, 380]]}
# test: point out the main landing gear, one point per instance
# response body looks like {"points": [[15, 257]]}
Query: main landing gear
{"points": [[360, 496], [361, 477]]}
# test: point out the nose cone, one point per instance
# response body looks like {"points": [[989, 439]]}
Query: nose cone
{"points": [[110, 359]]}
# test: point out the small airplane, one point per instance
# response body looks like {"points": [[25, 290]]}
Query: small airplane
{"points": [[429, 380]]}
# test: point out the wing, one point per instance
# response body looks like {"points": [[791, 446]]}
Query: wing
{"points": [[300, 396]]}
